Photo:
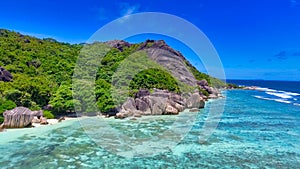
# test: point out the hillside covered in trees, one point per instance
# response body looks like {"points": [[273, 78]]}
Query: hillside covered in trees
{"points": [[42, 71]]}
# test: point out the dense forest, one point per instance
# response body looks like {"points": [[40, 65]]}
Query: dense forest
{"points": [[42, 72]]}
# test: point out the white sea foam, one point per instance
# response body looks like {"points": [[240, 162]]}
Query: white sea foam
{"points": [[282, 101], [283, 95], [264, 98], [296, 104], [265, 89], [292, 94], [278, 93], [277, 100]]}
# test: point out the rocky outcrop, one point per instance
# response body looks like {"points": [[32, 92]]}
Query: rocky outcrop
{"points": [[213, 92], [119, 44], [170, 59], [142, 93], [160, 102], [5, 75], [22, 117], [195, 101], [18, 117]]}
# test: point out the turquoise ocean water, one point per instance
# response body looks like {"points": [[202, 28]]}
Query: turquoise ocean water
{"points": [[254, 132]]}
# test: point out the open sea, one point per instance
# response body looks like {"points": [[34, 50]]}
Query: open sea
{"points": [[258, 129]]}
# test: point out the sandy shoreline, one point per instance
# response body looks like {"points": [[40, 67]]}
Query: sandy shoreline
{"points": [[54, 121]]}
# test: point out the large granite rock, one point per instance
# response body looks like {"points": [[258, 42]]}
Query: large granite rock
{"points": [[160, 102], [157, 104], [5, 75], [170, 59], [142, 105], [129, 104], [202, 83], [195, 101], [19, 117]]}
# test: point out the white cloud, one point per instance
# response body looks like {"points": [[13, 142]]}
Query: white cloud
{"points": [[126, 9]]}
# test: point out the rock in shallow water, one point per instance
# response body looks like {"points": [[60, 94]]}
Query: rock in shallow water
{"points": [[194, 110], [195, 101], [171, 110]]}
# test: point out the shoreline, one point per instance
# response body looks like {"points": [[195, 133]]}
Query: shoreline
{"points": [[58, 120], [53, 122]]}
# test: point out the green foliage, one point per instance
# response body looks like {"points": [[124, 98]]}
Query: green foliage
{"points": [[233, 86], [104, 98], [38, 68], [204, 92], [62, 100], [154, 78], [217, 82], [5, 105], [48, 114], [200, 76]]}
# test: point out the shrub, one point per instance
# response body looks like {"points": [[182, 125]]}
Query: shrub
{"points": [[204, 92], [48, 114], [6, 105]]}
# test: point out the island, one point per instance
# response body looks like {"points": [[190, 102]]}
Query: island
{"points": [[36, 80]]}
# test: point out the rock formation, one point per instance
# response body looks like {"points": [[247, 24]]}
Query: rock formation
{"points": [[170, 59], [43, 121], [195, 101], [119, 44], [18, 117], [5, 75], [160, 102], [22, 117]]}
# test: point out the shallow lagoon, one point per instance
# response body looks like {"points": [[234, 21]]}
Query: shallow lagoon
{"points": [[252, 133]]}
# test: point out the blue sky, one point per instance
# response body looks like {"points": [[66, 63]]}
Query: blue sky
{"points": [[255, 39]]}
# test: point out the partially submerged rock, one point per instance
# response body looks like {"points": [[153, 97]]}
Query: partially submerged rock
{"points": [[171, 110], [194, 110], [61, 119], [195, 101]]}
